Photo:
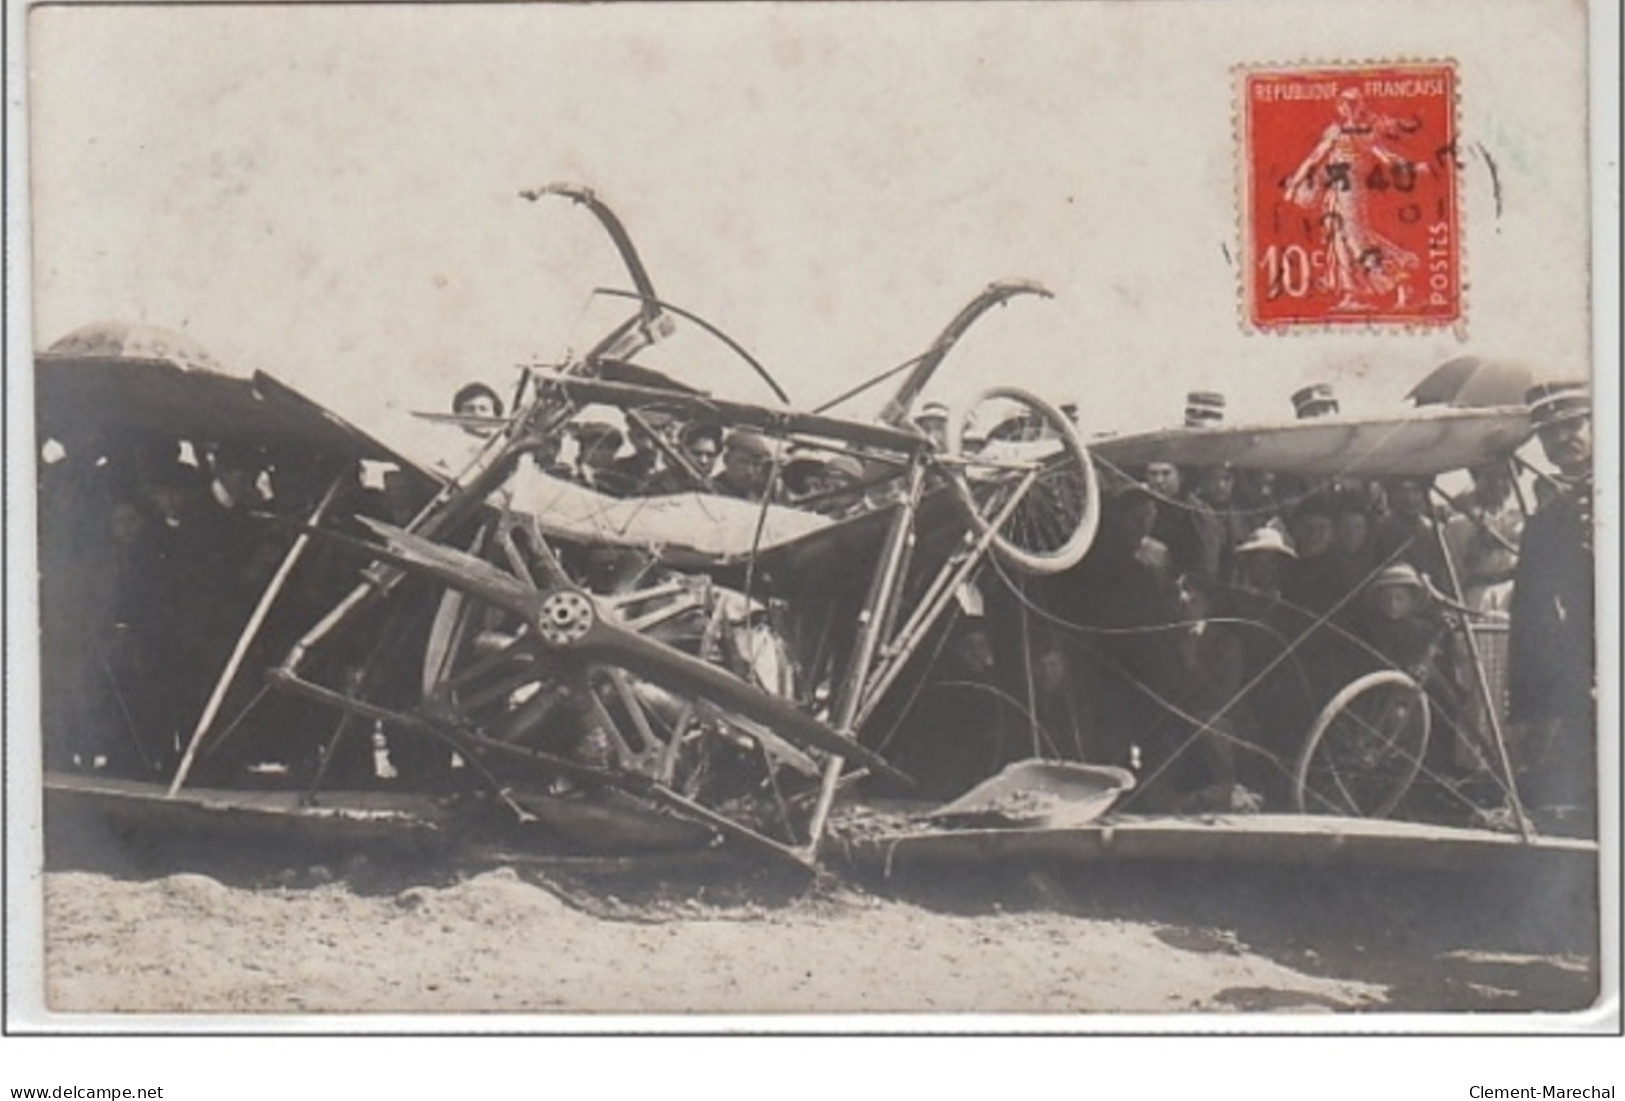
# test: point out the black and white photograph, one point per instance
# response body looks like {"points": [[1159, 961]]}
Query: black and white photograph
{"points": [[1070, 516]]}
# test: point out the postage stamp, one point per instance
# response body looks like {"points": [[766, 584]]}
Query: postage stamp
{"points": [[1350, 207]]}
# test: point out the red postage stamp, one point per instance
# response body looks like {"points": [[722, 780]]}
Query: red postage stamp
{"points": [[1351, 214]]}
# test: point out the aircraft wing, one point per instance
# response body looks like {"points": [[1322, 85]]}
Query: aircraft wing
{"points": [[89, 395], [1415, 442]]}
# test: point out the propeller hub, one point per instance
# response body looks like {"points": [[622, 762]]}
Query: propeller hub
{"points": [[565, 617]]}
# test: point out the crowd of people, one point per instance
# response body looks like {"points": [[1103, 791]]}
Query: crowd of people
{"points": [[154, 553], [1217, 612], [151, 556], [1221, 609], [660, 452]]}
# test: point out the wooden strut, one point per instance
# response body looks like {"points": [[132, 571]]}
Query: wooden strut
{"points": [[473, 747], [954, 573], [251, 629], [1485, 696], [871, 622]]}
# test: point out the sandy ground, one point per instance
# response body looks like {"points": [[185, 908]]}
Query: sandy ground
{"points": [[201, 934]]}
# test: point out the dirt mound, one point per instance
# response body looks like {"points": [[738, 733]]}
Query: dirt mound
{"points": [[496, 941], [497, 898]]}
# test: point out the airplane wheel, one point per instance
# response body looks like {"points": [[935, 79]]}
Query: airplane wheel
{"points": [[1365, 748], [1052, 526]]}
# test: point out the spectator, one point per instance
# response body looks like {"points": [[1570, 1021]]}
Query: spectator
{"points": [[482, 406], [1125, 588], [1352, 557], [1410, 532], [826, 482], [1261, 563], [1402, 626], [1180, 524], [477, 400], [1208, 690], [699, 443], [638, 471], [1553, 631], [1311, 581], [141, 697], [597, 444], [1227, 526], [747, 466], [1258, 498], [932, 419], [1483, 538], [1282, 699], [1395, 623]]}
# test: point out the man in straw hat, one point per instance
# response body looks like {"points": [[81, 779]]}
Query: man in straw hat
{"points": [[1395, 624], [1552, 662], [1401, 623]]}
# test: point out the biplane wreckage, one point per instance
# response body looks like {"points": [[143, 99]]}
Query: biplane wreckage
{"points": [[651, 652]]}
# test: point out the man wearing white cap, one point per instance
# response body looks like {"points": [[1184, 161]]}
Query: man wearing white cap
{"points": [[932, 419], [1552, 662]]}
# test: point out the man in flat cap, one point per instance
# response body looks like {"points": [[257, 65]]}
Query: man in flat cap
{"points": [[1552, 663], [824, 481], [747, 465]]}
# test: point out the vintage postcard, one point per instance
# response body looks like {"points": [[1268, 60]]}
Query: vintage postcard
{"points": [[1076, 513]]}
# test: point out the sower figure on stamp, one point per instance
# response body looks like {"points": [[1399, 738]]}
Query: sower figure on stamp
{"points": [[1363, 264], [1553, 641]]}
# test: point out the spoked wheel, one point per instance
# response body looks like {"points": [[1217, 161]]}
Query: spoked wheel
{"points": [[1365, 748], [1021, 459]]}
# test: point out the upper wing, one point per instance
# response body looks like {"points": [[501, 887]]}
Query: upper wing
{"points": [[1416, 442], [81, 396]]}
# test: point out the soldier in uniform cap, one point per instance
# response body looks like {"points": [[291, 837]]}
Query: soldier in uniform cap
{"points": [[1315, 401], [1204, 409], [1552, 662]]}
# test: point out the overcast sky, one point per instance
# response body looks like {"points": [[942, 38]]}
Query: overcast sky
{"points": [[331, 193]]}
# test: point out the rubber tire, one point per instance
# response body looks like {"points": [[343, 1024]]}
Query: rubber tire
{"points": [[1077, 544], [1336, 706]]}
